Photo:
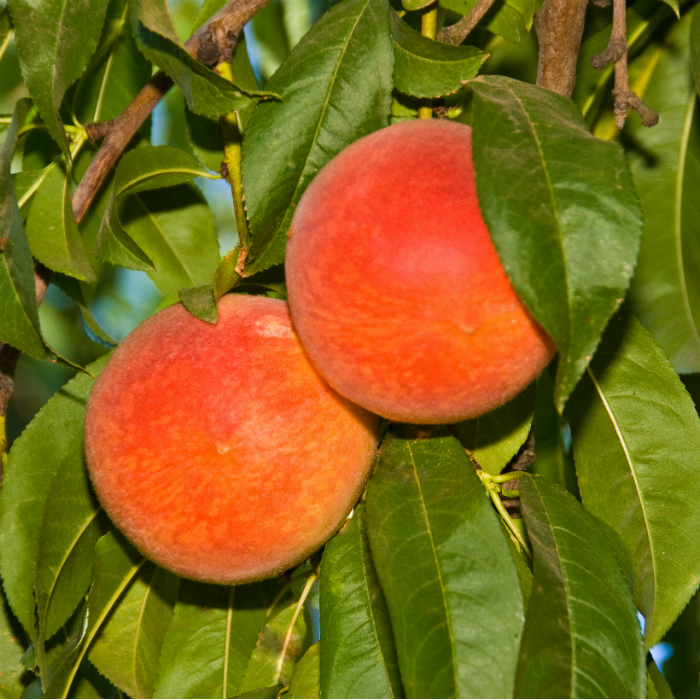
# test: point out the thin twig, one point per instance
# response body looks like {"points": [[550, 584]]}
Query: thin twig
{"points": [[457, 33], [616, 52]]}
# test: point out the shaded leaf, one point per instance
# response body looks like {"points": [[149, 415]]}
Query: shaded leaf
{"points": [[511, 19], [19, 319], [305, 681], [665, 293], [55, 40], [52, 232], [206, 92], [582, 637], [335, 87], [427, 68], [449, 580], [127, 648], [116, 565], [636, 437], [200, 302], [656, 684], [570, 280], [54, 435], [493, 438], [695, 49], [12, 670], [359, 656]]}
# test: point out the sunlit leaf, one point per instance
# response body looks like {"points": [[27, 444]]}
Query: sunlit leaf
{"points": [[443, 563], [582, 637], [636, 437], [55, 40], [335, 87], [359, 656], [569, 239], [305, 681]]}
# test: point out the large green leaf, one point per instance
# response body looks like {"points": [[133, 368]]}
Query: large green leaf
{"points": [[116, 565], [12, 650], [19, 318], [54, 435], [636, 438], [511, 19], [582, 638], [427, 68], [52, 232], [55, 40], [127, 648], [206, 92], [563, 215], [493, 438], [445, 569], [695, 49], [212, 634], [665, 293], [335, 88], [305, 682], [359, 657]]}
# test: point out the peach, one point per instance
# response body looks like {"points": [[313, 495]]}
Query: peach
{"points": [[395, 289], [217, 450]]}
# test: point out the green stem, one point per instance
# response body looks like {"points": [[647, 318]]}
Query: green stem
{"points": [[428, 27], [232, 132]]}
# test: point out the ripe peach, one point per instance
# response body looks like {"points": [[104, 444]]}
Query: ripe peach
{"points": [[395, 288], [218, 450]]}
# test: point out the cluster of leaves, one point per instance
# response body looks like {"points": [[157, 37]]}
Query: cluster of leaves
{"points": [[427, 591]]}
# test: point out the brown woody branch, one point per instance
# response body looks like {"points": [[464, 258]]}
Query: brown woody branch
{"points": [[212, 43], [458, 32], [616, 52], [522, 460]]}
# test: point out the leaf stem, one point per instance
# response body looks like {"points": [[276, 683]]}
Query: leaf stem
{"points": [[428, 28]]}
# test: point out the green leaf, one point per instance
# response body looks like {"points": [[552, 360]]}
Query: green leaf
{"points": [[19, 318], [359, 656], [582, 638], [206, 92], [449, 580], [5, 30], [657, 687], [68, 531], [427, 68], [305, 682], [511, 19], [55, 40], [200, 302], [283, 639], [212, 634], [52, 232], [54, 435], [695, 49], [493, 439], [570, 280], [636, 437], [116, 564], [12, 650], [127, 648], [665, 293], [335, 88]]}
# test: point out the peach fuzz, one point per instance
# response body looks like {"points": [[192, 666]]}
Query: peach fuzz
{"points": [[395, 289], [217, 450]]}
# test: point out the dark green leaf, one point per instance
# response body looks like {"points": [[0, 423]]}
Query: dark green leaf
{"points": [[127, 648], [511, 19], [449, 580], [116, 564], [54, 435], [206, 92], [200, 302], [335, 88], [493, 439], [665, 293], [12, 670], [5, 29], [695, 49], [55, 41], [657, 687], [52, 232], [582, 638], [636, 438], [359, 656], [305, 681], [212, 634], [427, 68], [542, 206], [19, 319]]}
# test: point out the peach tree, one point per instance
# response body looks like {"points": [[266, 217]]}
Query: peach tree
{"points": [[540, 550]]}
